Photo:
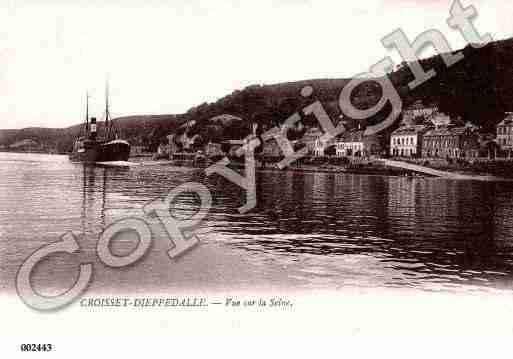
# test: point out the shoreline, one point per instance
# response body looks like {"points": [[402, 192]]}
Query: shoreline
{"points": [[358, 169], [365, 169], [370, 167]]}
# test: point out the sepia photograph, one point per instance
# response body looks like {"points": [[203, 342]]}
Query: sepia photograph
{"points": [[256, 178]]}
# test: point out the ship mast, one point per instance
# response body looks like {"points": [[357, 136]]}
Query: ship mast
{"points": [[111, 131], [107, 112], [87, 115]]}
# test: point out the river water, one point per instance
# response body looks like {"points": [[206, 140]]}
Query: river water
{"points": [[309, 231]]}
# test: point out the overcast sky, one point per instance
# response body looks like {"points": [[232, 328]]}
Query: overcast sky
{"points": [[167, 56]]}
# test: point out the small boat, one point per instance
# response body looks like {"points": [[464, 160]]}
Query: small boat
{"points": [[91, 148]]}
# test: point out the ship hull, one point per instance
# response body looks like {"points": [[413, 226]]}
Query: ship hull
{"points": [[117, 150], [86, 156]]}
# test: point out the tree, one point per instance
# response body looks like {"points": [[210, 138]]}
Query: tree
{"points": [[286, 108]]}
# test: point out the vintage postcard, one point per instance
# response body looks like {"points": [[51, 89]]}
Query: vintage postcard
{"points": [[256, 178]]}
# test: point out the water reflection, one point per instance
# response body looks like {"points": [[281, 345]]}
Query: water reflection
{"points": [[458, 231], [322, 228], [95, 186], [431, 229]]}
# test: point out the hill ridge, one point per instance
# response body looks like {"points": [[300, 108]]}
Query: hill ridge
{"points": [[477, 88]]}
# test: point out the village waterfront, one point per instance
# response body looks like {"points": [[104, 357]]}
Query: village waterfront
{"points": [[425, 141]]}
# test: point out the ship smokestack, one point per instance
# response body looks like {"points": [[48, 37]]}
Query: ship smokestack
{"points": [[93, 128]]}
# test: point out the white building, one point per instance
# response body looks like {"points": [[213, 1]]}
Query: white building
{"points": [[406, 141], [313, 141], [505, 132], [350, 144]]}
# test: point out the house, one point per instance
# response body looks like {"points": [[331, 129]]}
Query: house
{"points": [[350, 143], [488, 146], [319, 147], [451, 142], [406, 141], [505, 133], [173, 146], [163, 150], [313, 141], [188, 142], [375, 145]]}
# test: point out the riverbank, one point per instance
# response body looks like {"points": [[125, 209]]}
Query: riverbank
{"points": [[500, 167], [364, 168], [477, 170]]}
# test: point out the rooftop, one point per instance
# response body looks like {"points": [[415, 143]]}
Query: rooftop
{"points": [[419, 104], [508, 121], [352, 136], [408, 130], [448, 131]]}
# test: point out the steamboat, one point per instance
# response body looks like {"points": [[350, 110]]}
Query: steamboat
{"points": [[92, 146]]}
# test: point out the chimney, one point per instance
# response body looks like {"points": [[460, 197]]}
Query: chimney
{"points": [[92, 133]]}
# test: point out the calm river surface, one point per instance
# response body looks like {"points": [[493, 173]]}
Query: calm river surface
{"points": [[310, 231]]}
